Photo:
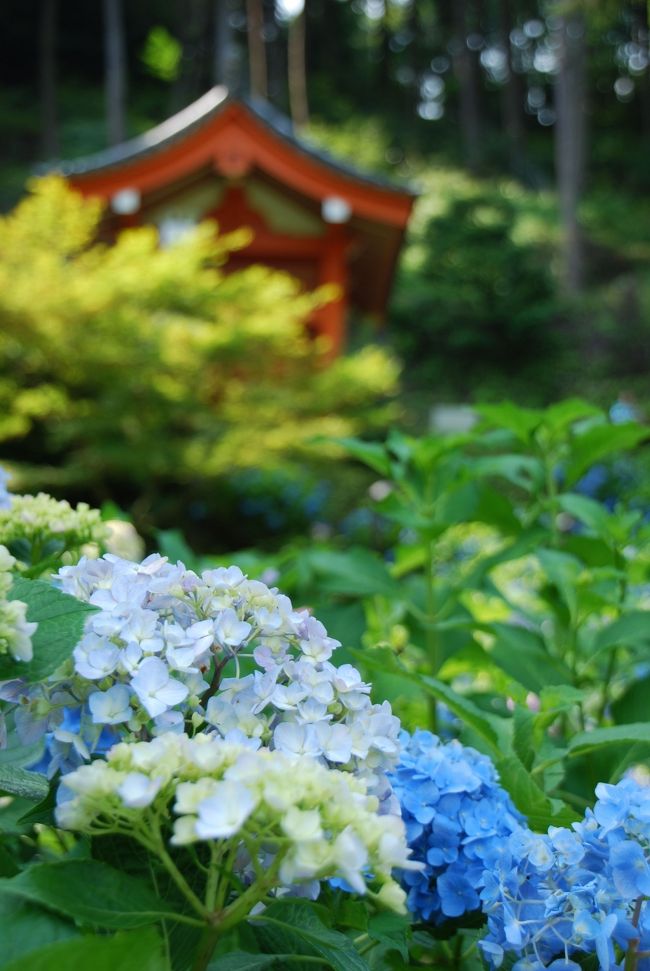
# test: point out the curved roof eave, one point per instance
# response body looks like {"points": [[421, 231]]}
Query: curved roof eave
{"points": [[193, 117]]}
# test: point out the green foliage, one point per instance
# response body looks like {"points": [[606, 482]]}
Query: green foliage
{"points": [[473, 300], [111, 352], [162, 54], [505, 583], [60, 620]]}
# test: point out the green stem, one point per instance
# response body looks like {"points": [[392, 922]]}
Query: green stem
{"points": [[433, 647], [179, 879], [206, 948]]}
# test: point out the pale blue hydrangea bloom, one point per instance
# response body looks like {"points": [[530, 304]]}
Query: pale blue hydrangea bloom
{"points": [[161, 632]]}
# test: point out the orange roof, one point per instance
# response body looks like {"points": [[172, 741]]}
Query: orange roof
{"points": [[234, 139]]}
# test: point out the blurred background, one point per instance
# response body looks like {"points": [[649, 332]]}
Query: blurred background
{"points": [[193, 399]]}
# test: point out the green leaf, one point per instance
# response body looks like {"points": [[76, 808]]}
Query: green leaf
{"points": [[529, 799], [25, 928], [242, 961], [522, 470], [466, 710], [600, 441], [632, 706], [19, 755], [391, 931], [587, 511], [522, 422], [630, 628], [563, 571], [356, 573], [60, 620], [562, 415], [117, 900], [19, 782], [372, 454], [522, 654], [295, 925], [141, 951], [601, 738]]}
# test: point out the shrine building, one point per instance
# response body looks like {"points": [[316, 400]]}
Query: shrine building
{"points": [[239, 163]]}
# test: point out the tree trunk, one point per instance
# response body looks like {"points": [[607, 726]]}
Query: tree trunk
{"points": [[50, 147], [466, 69], [256, 49], [115, 76], [512, 97], [297, 70], [571, 143]]}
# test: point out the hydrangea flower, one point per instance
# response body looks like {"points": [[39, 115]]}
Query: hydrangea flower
{"points": [[154, 654], [317, 822], [44, 522], [15, 630], [457, 819], [574, 891]]}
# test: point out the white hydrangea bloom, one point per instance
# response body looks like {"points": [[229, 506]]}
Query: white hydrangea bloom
{"points": [[16, 631], [324, 820]]}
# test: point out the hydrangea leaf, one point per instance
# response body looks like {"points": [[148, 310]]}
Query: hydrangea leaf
{"points": [[118, 901], [603, 737], [140, 951], [25, 928], [357, 572], [522, 654], [243, 961], [529, 799], [464, 709], [598, 442], [17, 781], [60, 620], [630, 628], [296, 925]]}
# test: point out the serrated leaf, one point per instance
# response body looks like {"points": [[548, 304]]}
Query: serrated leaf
{"points": [[19, 782], [630, 628], [25, 928], [140, 951], [522, 654], [632, 706], [295, 926], [522, 470], [391, 931], [243, 961], [598, 442], [60, 620], [466, 710], [601, 738], [357, 572], [117, 901], [372, 454], [587, 511], [530, 799]]}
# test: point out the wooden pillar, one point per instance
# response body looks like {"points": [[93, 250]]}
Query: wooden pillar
{"points": [[331, 319]]}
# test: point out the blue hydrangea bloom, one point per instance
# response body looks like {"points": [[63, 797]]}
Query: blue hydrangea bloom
{"points": [[550, 898], [458, 819]]}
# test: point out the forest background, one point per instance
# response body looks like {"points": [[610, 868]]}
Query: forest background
{"points": [[524, 125]]}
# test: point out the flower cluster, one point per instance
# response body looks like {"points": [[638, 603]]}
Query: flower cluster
{"points": [[288, 815], [457, 820], [574, 891], [153, 655], [15, 630], [48, 526]]}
